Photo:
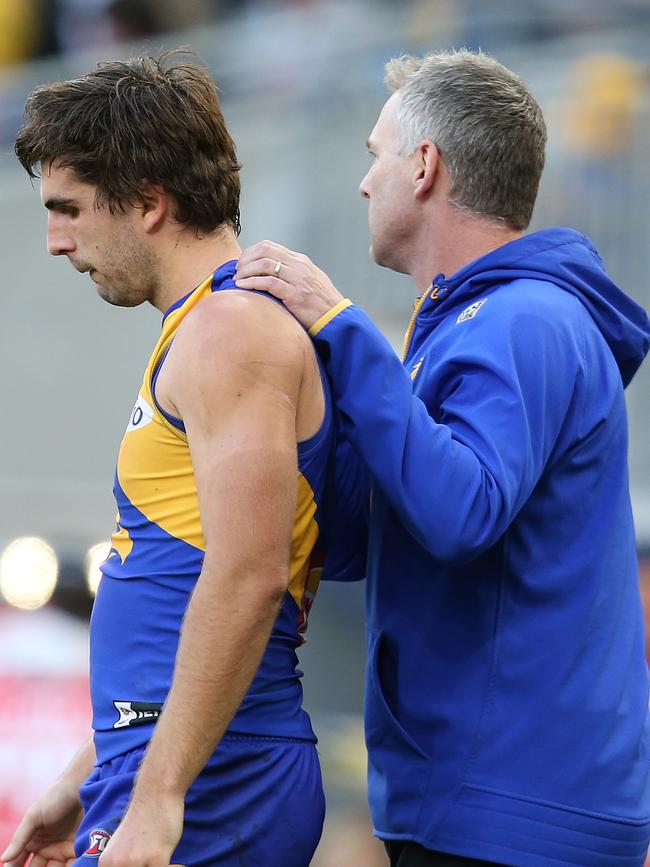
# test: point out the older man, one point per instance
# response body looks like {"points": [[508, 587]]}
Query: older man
{"points": [[507, 689]]}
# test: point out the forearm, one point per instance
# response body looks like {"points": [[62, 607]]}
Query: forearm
{"points": [[455, 484], [80, 766], [415, 461], [225, 632]]}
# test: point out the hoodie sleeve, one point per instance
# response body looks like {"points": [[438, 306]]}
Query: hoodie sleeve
{"points": [[459, 459], [345, 535]]}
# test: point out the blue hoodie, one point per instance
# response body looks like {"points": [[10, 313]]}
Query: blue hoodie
{"points": [[507, 687]]}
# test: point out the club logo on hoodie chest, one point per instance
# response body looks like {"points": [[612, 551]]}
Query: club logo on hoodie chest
{"points": [[471, 311]]}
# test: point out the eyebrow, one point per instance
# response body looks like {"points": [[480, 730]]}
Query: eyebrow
{"points": [[55, 202]]}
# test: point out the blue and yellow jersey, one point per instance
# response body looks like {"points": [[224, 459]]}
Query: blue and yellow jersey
{"points": [[155, 560]]}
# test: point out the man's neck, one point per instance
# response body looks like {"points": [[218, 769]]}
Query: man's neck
{"points": [[455, 240], [185, 261]]}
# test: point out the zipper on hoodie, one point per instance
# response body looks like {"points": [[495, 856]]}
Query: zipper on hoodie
{"points": [[432, 292]]}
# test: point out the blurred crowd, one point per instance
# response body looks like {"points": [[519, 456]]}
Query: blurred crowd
{"points": [[32, 29], [286, 46], [42, 28]]}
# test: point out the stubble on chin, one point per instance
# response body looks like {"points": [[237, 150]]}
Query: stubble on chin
{"points": [[121, 297], [136, 281]]}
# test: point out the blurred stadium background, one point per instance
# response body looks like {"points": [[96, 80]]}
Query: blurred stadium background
{"points": [[301, 84]]}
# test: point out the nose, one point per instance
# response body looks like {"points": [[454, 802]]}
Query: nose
{"points": [[59, 239], [363, 187]]}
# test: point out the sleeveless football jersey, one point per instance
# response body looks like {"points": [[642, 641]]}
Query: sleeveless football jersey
{"points": [[155, 560]]}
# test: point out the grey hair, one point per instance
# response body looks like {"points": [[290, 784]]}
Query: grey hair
{"points": [[485, 122]]}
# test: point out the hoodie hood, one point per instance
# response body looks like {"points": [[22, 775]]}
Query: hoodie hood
{"points": [[569, 260]]}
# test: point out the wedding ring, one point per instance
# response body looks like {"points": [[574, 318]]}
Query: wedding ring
{"points": [[276, 270]]}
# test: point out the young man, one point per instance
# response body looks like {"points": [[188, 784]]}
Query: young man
{"points": [[202, 752], [507, 689]]}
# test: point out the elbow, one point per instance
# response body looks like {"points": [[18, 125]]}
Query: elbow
{"points": [[276, 589], [267, 587], [459, 550], [244, 579], [464, 534]]}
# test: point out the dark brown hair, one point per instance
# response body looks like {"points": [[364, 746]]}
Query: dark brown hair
{"points": [[148, 119]]}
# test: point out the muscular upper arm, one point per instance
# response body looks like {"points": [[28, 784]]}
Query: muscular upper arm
{"points": [[234, 376]]}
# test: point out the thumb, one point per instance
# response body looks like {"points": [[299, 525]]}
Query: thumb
{"points": [[14, 856], [16, 852]]}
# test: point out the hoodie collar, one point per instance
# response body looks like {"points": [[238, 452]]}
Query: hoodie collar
{"points": [[569, 260]]}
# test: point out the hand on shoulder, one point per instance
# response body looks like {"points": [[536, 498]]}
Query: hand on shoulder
{"points": [[292, 277]]}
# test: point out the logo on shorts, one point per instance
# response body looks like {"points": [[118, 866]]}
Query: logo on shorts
{"points": [[471, 311], [98, 841], [136, 713]]}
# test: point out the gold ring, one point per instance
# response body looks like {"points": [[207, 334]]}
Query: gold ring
{"points": [[276, 270]]}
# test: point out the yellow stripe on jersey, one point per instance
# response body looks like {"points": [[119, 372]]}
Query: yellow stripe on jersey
{"points": [[304, 537], [155, 473]]}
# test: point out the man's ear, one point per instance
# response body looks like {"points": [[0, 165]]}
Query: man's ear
{"points": [[154, 206], [427, 164]]}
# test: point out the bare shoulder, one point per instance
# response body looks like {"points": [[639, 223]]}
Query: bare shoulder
{"points": [[238, 343], [237, 325]]}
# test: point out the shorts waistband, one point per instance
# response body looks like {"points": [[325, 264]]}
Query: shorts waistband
{"points": [[240, 738]]}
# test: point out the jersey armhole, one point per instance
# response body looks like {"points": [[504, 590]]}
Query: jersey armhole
{"points": [[177, 423], [305, 447]]}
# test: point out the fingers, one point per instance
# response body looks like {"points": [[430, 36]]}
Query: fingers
{"points": [[17, 860], [262, 267], [292, 277], [266, 254], [263, 273], [57, 852], [272, 285], [56, 855], [268, 250], [40, 861], [16, 852], [52, 855]]}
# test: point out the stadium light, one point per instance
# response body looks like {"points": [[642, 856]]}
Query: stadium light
{"points": [[28, 573], [94, 559]]}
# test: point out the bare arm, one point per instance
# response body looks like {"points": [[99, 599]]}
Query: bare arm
{"points": [[239, 410]]}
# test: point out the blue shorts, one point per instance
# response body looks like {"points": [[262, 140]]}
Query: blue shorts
{"points": [[258, 801]]}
